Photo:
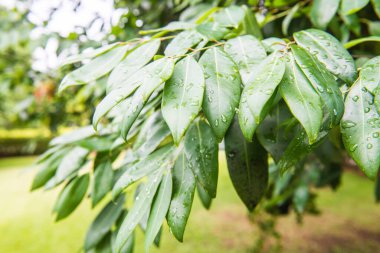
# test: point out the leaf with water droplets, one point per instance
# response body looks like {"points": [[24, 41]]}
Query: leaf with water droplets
{"points": [[329, 51], [134, 60], [182, 199], [247, 165], [323, 82], [247, 52], [360, 127], [183, 96], [302, 100], [322, 11], [182, 42], [259, 89], [159, 209], [222, 89], [201, 148], [370, 74], [349, 7]]}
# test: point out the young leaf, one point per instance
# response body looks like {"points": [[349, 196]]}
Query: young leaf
{"points": [[71, 163], [349, 7], [152, 74], [159, 209], [182, 198], [370, 74], [71, 196], [258, 91], [183, 96], [142, 94], [103, 223], [222, 90], [322, 11], [131, 63], [182, 42], [302, 99], [201, 149], [323, 82], [329, 51], [246, 51], [103, 178], [96, 68], [247, 165], [360, 129]]}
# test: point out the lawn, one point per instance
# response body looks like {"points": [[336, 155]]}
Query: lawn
{"points": [[350, 220]]}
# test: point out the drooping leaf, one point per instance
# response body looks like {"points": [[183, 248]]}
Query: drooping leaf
{"points": [[104, 246], [183, 96], [246, 51], [322, 11], [302, 100], [131, 63], [182, 198], [71, 163], [142, 94], [329, 51], [159, 209], [205, 198], [247, 165], [151, 75], [103, 222], [351, 6], [250, 24], [360, 129], [201, 148], [182, 42], [222, 89], [96, 68], [300, 198], [288, 19], [103, 178], [323, 82], [258, 91], [71, 196]]}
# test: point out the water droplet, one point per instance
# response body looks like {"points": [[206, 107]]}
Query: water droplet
{"points": [[355, 98], [348, 124], [369, 146], [224, 119], [353, 147], [367, 109], [376, 135], [216, 122]]}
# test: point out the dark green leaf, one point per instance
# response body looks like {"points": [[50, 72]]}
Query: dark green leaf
{"points": [[103, 177], [250, 23], [206, 200]]}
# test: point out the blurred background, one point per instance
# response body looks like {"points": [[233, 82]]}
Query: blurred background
{"points": [[36, 37]]}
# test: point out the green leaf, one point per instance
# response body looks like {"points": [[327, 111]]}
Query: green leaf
{"points": [[73, 136], [322, 11], [131, 63], [142, 94], [273, 44], [376, 94], [300, 198], [71, 196], [222, 89], [104, 246], [182, 198], [353, 43], [97, 143], [159, 209], [377, 190], [323, 82], [302, 99], [136, 213], [182, 42], [152, 74], [374, 28], [201, 149], [360, 129], [103, 177], [370, 74], [376, 7], [103, 223], [250, 23], [246, 51], [288, 19], [171, 27], [258, 91], [96, 68], [329, 51], [205, 198], [183, 96], [212, 31], [230, 17], [351, 6], [71, 163], [247, 165]]}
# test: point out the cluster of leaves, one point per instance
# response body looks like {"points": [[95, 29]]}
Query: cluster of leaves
{"points": [[281, 106]]}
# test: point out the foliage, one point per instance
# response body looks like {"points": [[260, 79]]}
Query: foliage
{"points": [[209, 77]]}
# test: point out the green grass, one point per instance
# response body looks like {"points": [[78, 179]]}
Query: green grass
{"points": [[350, 221]]}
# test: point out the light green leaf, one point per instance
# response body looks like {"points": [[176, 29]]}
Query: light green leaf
{"points": [[212, 31], [201, 148], [103, 177], [182, 198], [322, 11], [353, 43], [376, 7], [302, 100], [73, 136], [71, 163], [273, 44], [159, 209], [323, 82], [222, 89], [96, 68], [329, 51], [131, 63], [351, 6], [71, 196], [183, 96], [370, 74], [182, 42], [171, 27], [258, 91], [247, 166], [142, 94], [230, 17], [103, 223], [360, 129], [246, 51], [288, 19]]}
